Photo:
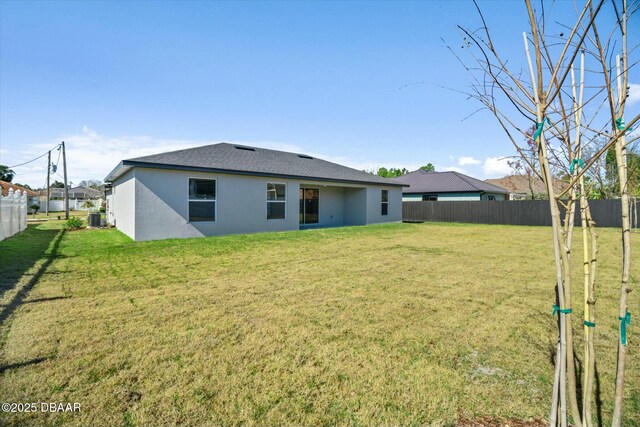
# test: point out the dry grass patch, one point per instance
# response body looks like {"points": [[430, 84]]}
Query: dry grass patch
{"points": [[380, 325]]}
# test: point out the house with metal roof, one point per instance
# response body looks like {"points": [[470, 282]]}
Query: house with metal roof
{"points": [[231, 189], [447, 186]]}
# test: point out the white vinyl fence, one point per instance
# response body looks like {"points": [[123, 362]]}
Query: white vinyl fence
{"points": [[13, 213], [74, 205]]}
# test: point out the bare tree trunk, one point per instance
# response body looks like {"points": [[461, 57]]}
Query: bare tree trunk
{"points": [[591, 303], [621, 160], [563, 276]]}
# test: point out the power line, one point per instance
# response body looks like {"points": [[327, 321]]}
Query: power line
{"points": [[33, 172], [33, 160], [26, 163]]}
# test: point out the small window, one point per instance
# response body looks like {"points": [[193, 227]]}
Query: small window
{"points": [[429, 197], [385, 202], [276, 200], [202, 200]]}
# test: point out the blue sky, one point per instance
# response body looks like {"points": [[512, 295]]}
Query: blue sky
{"points": [[353, 82]]}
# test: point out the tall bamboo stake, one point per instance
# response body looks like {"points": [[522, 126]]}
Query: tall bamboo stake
{"points": [[588, 260]]}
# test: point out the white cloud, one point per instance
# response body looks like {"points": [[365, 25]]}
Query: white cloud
{"points": [[496, 167], [634, 93], [468, 160], [90, 132]]}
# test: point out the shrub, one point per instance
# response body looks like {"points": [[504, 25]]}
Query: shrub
{"points": [[88, 204], [73, 223], [34, 208]]}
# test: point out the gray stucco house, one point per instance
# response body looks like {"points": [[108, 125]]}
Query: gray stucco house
{"points": [[447, 186], [225, 189]]}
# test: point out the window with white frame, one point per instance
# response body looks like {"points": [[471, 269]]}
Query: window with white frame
{"points": [[276, 200], [385, 202], [202, 200]]}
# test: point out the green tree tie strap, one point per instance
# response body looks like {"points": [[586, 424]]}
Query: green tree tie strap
{"points": [[621, 125], [589, 324], [561, 310], [624, 322], [539, 127], [575, 162]]}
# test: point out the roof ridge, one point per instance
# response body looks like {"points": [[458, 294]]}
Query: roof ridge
{"points": [[481, 182], [230, 144], [223, 157], [464, 178]]}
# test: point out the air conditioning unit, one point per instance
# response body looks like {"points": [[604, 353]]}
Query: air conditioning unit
{"points": [[94, 219]]}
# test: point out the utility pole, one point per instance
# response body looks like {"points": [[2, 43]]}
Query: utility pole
{"points": [[48, 179], [66, 188]]}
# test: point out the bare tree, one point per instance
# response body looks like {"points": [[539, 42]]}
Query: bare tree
{"points": [[569, 124]]}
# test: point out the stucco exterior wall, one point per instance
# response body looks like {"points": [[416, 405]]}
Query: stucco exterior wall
{"points": [[355, 206], [374, 205], [124, 203], [162, 204]]}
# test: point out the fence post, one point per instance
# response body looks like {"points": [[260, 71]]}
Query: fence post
{"points": [[12, 218], [13, 213], [25, 212], [3, 215]]}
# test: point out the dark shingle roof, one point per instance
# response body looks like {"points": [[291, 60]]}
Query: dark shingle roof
{"points": [[445, 182], [230, 158]]}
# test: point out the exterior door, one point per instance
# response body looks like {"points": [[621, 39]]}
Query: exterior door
{"points": [[309, 205]]}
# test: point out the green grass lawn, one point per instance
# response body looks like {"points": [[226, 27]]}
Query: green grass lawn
{"points": [[381, 325]]}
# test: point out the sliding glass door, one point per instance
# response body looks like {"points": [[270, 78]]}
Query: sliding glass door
{"points": [[309, 205]]}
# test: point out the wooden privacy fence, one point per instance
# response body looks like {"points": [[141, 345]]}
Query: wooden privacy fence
{"points": [[606, 213], [13, 213]]}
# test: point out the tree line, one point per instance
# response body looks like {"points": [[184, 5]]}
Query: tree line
{"points": [[396, 172]]}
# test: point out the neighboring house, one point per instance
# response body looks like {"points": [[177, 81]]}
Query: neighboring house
{"points": [[32, 196], [78, 198], [447, 186], [521, 186], [225, 188]]}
